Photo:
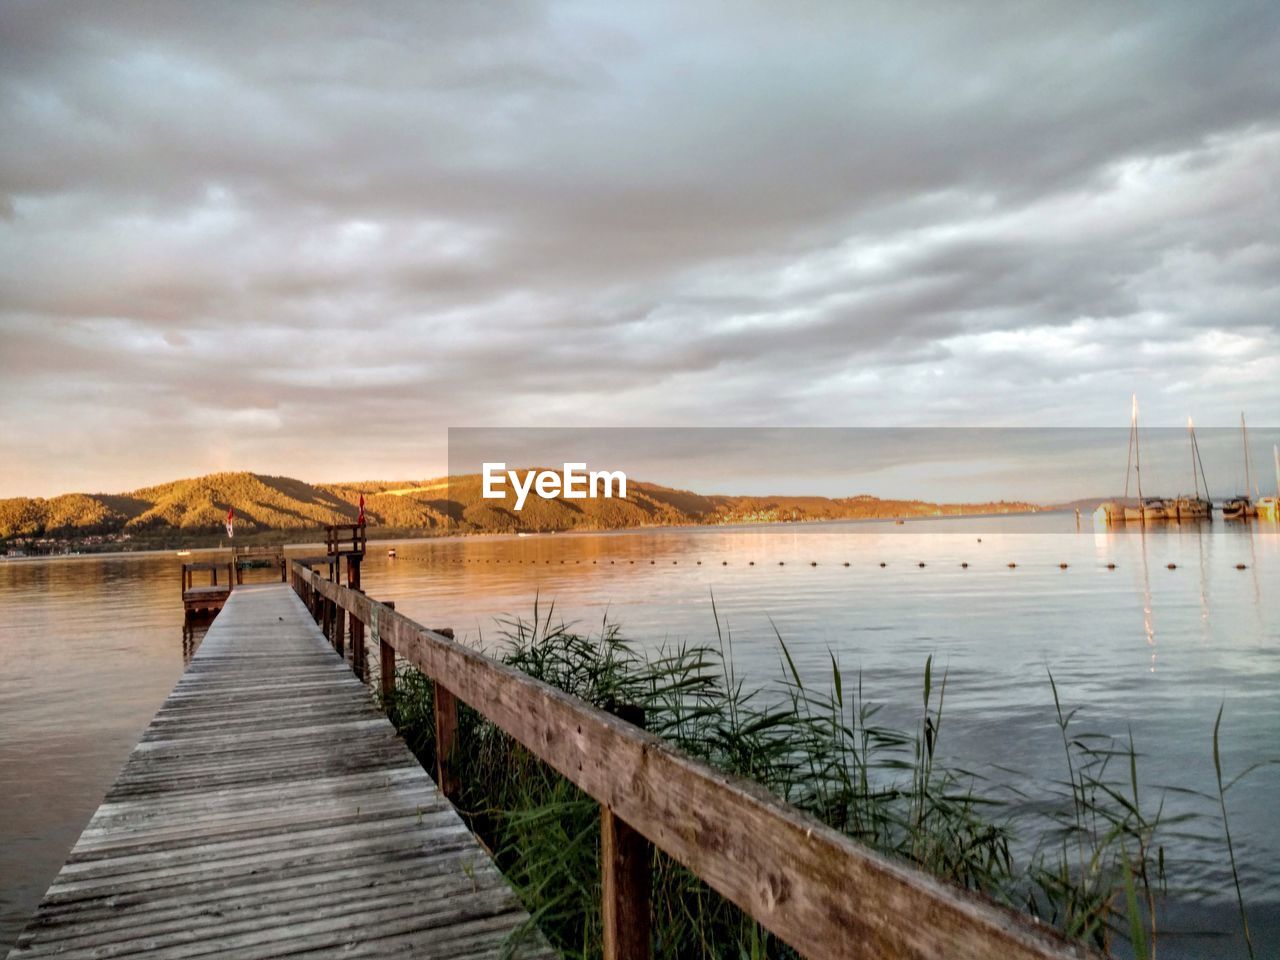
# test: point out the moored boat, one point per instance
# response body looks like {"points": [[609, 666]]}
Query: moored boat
{"points": [[1269, 507], [1238, 508], [1241, 507], [1193, 508], [1150, 510]]}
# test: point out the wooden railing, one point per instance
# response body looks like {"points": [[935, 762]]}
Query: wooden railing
{"points": [[815, 888], [346, 538], [258, 556]]}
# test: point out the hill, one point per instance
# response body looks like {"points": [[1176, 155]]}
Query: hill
{"points": [[195, 508]]}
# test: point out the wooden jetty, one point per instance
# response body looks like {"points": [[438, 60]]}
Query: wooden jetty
{"points": [[252, 557], [270, 810], [815, 888], [209, 597]]}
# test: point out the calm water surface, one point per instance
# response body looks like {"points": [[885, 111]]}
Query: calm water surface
{"points": [[89, 647]]}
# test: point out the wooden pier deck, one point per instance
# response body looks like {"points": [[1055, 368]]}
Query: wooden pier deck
{"points": [[270, 810]]}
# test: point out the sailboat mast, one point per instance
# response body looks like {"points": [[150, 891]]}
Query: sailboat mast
{"points": [[1137, 451], [1195, 444], [1244, 438], [1128, 465], [1191, 437]]}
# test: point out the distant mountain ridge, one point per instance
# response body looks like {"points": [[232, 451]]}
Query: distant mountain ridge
{"points": [[198, 506]]}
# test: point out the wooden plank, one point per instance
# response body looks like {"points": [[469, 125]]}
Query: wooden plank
{"points": [[815, 888], [270, 809]]}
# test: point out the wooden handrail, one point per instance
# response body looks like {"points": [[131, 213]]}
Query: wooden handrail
{"points": [[815, 888], [346, 538]]}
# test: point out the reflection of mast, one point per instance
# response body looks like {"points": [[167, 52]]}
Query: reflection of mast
{"points": [[1148, 618]]}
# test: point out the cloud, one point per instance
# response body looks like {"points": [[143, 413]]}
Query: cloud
{"points": [[309, 237]]}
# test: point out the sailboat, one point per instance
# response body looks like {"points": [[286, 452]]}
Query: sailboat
{"points": [[1148, 509], [1241, 507], [1269, 507], [1196, 507]]}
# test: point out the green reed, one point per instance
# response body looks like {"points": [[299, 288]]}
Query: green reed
{"points": [[1096, 869]]}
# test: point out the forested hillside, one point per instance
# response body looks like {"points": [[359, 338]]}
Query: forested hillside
{"points": [[199, 505]]}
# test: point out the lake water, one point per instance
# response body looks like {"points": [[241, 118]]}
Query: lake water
{"points": [[89, 647]]}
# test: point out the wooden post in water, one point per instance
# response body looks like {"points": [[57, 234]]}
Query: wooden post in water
{"points": [[625, 863], [387, 662]]}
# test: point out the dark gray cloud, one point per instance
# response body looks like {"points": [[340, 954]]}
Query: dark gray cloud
{"points": [[305, 238]]}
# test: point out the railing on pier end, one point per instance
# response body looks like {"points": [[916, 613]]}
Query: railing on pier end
{"points": [[210, 597], [812, 886], [243, 557]]}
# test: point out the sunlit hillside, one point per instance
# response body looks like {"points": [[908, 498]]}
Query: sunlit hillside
{"points": [[263, 503]]}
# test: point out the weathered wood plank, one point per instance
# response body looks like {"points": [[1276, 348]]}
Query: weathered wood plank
{"points": [[271, 810]]}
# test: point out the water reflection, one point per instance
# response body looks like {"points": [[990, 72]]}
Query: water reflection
{"points": [[73, 703], [194, 627]]}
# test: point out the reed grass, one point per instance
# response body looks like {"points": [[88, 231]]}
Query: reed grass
{"points": [[1097, 862]]}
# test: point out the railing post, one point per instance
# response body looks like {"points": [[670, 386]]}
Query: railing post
{"points": [[386, 662], [446, 717], [357, 627], [625, 859], [357, 642], [339, 627]]}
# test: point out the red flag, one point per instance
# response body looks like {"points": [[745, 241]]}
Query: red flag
{"points": [[231, 521], [360, 519]]}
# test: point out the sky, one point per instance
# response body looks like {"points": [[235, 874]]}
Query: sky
{"points": [[309, 238]]}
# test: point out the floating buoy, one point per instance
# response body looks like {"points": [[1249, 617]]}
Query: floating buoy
{"points": [[813, 563], [979, 539], [921, 563], [652, 562], [1012, 565], [1173, 566], [724, 563], [882, 563], [1111, 566], [674, 562], [846, 563], [965, 566], [781, 564], [1240, 566], [699, 563], [751, 563], [1062, 566]]}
